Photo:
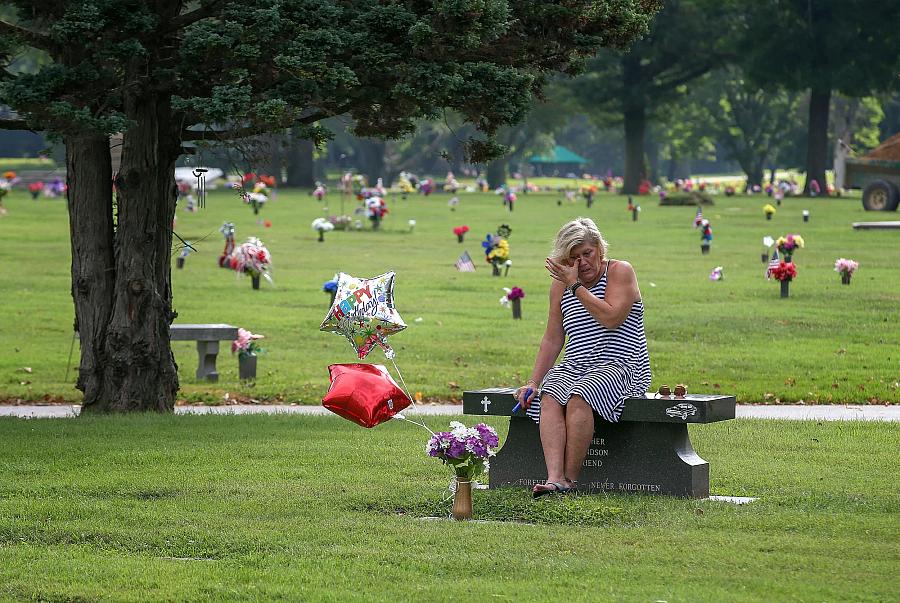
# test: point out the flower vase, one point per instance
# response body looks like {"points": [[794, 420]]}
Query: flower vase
{"points": [[321, 236], [788, 257], [785, 287], [768, 216], [179, 263], [517, 308], [254, 281], [634, 214], [462, 500], [704, 249], [496, 269], [765, 258], [255, 208], [845, 278], [459, 238], [247, 366]]}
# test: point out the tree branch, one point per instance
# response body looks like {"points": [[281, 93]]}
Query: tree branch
{"points": [[182, 21], [188, 135], [13, 124], [32, 38]]}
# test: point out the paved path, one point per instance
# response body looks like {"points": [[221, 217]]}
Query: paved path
{"points": [[844, 412]]}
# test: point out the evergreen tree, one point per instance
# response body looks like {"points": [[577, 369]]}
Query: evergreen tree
{"points": [[164, 72]]}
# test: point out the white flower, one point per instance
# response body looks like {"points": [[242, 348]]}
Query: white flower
{"points": [[768, 241], [412, 223], [455, 424]]}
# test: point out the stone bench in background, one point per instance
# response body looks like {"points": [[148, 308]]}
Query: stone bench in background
{"points": [[647, 452], [207, 338]]}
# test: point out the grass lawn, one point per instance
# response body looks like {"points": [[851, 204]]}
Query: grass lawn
{"points": [[160, 508], [826, 343]]}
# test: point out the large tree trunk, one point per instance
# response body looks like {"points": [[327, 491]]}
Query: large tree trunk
{"points": [[301, 164], [496, 173], [635, 123], [140, 371], [370, 158], [634, 108], [89, 197], [817, 146]]}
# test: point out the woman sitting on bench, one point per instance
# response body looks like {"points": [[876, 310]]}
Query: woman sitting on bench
{"points": [[597, 312]]}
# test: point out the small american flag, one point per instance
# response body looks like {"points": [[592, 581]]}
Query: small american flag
{"points": [[773, 264], [699, 217], [464, 263]]}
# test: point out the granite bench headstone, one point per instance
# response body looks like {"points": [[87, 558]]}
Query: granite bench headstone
{"points": [[207, 338], [648, 451]]}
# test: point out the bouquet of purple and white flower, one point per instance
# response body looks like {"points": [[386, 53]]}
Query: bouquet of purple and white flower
{"points": [[466, 449]]}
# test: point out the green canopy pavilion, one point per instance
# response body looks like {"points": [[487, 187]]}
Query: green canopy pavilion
{"points": [[558, 161]]}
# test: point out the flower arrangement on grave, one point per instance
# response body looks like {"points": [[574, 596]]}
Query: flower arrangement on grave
{"points": [[341, 222], [784, 271], [496, 247], [246, 344], [247, 350], [705, 235], [35, 189], [513, 297], [788, 244], [767, 243], [9, 176], [376, 209], [252, 257], [452, 184], [412, 225], [466, 450], [320, 191], [321, 225], [846, 268], [460, 232], [729, 191], [330, 287], [769, 210]]}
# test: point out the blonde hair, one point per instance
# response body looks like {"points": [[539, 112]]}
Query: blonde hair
{"points": [[575, 233]]}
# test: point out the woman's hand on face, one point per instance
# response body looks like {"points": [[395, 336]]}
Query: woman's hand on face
{"points": [[524, 400], [565, 273]]}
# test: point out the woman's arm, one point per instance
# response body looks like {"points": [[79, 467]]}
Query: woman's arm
{"points": [[621, 290], [551, 346], [621, 293]]}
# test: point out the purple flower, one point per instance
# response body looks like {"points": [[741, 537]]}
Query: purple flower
{"points": [[457, 449]]}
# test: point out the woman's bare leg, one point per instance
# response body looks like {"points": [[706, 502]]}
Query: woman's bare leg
{"points": [[579, 430], [553, 437]]}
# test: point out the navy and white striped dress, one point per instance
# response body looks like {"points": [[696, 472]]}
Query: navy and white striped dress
{"points": [[603, 366]]}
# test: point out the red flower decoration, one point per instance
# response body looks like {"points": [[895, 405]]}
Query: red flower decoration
{"points": [[784, 271], [460, 230]]}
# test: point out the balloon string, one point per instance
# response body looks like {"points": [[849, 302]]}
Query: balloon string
{"points": [[406, 389], [411, 399]]}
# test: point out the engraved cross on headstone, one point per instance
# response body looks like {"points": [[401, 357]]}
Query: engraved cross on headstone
{"points": [[485, 402]]}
